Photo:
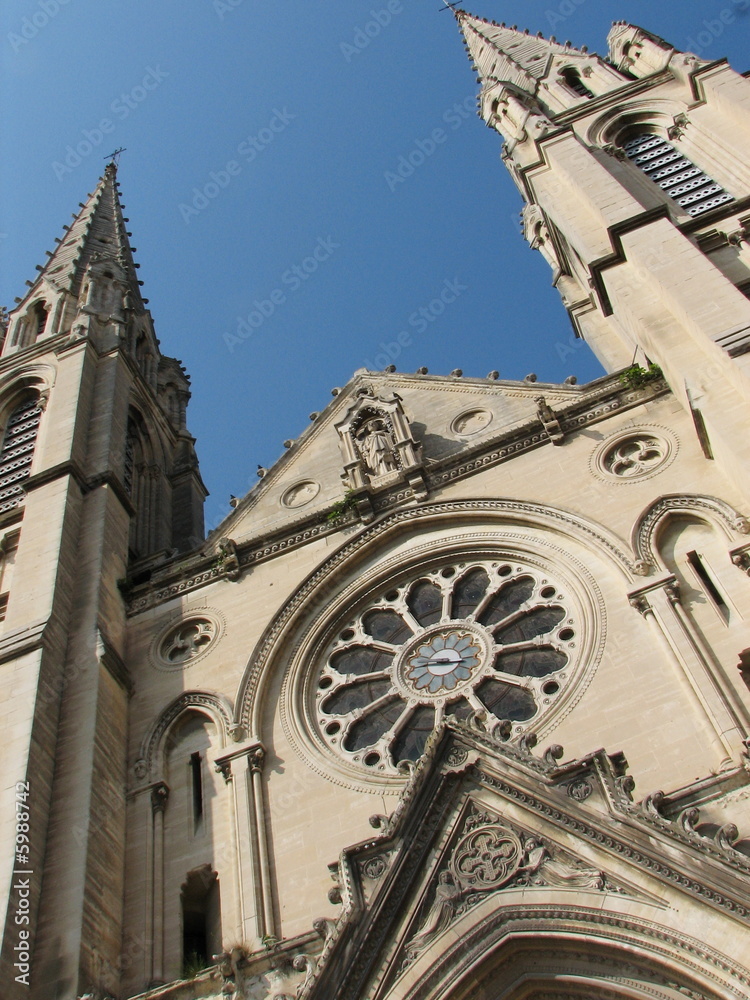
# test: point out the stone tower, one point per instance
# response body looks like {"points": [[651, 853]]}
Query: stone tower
{"points": [[98, 477], [455, 704], [635, 178]]}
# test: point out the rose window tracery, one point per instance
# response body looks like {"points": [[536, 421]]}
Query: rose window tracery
{"points": [[187, 640], [635, 456], [490, 637]]}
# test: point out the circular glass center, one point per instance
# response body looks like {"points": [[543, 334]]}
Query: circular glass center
{"points": [[441, 663]]}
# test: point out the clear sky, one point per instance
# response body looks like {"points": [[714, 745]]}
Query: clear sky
{"points": [[261, 134]]}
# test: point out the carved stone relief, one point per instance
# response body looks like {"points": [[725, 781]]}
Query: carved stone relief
{"points": [[634, 455], [488, 856], [181, 643], [471, 422], [301, 493]]}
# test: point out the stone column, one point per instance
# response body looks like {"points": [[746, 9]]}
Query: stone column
{"points": [[659, 602], [253, 874], [159, 799]]}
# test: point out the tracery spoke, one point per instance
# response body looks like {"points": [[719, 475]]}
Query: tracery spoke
{"points": [[341, 680]]}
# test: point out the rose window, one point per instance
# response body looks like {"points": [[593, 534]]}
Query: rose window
{"points": [[187, 640], [490, 637], [634, 457]]}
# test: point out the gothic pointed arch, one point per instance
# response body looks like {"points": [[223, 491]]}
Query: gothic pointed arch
{"points": [[142, 479], [647, 527], [554, 948], [214, 706], [22, 402]]}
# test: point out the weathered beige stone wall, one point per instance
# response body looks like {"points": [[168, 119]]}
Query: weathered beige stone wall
{"points": [[639, 699]]}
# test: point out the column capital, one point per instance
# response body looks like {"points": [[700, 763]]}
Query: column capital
{"points": [[640, 598], [253, 750], [741, 558], [159, 797]]}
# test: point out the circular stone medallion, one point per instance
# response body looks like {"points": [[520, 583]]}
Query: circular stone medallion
{"points": [[471, 422], [301, 493]]}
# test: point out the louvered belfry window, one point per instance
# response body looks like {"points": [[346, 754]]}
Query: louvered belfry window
{"points": [[675, 174], [17, 452]]}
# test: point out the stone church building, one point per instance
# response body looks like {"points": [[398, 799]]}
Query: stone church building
{"points": [[455, 704]]}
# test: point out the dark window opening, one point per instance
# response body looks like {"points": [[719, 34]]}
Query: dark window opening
{"points": [[39, 319], [201, 920], [573, 81], [675, 174], [699, 568], [197, 787]]}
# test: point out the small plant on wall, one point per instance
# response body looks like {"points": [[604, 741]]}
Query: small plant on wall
{"points": [[636, 376]]}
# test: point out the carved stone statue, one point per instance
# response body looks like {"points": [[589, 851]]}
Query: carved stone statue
{"points": [[447, 898], [376, 447], [550, 871]]}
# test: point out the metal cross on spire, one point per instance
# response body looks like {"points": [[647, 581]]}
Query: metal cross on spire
{"points": [[114, 157], [450, 6]]}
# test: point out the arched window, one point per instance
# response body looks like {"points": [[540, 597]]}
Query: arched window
{"points": [[572, 80], [675, 174], [141, 484], [38, 320], [17, 452]]}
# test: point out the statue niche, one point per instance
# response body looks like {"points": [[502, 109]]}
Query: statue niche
{"points": [[377, 445]]}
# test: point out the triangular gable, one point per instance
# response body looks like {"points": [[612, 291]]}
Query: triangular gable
{"points": [[492, 844]]}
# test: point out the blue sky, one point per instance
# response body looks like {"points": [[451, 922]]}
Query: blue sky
{"points": [[262, 142]]}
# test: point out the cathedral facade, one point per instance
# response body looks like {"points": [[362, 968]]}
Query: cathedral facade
{"points": [[456, 702]]}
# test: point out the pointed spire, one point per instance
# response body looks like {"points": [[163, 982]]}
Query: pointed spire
{"points": [[506, 54], [97, 233]]}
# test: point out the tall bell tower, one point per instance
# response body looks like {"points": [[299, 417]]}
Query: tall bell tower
{"points": [[635, 176], [98, 479]]}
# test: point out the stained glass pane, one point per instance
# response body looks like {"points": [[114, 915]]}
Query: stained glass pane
{"points": [[355, 696], [360, 660], [386, 626], [539, 621], [371, 727], [531, 663], [410, 742], [507, 600], [459, 709], [506, 702], [468, 592], [426, 602]]}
